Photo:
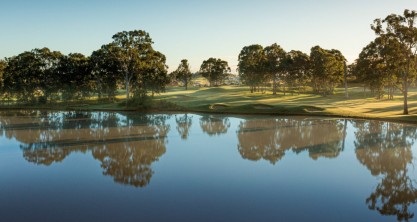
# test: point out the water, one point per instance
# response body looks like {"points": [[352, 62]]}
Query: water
{"points": [[103, 166]]}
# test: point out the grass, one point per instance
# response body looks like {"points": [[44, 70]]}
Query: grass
{"points": [[238, 100], [233, 99]]}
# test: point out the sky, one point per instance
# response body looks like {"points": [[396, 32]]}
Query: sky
{"points": [[192, 29]]}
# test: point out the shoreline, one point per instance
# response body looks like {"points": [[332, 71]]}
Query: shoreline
{"points": [[218, 112]]}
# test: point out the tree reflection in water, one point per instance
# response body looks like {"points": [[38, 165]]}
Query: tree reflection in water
{"points": [[126, 145], [214, 125], [386, 150], [184, 123], [270, 139]]}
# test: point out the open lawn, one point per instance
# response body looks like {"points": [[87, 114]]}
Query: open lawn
{"points": [[234, 99]]}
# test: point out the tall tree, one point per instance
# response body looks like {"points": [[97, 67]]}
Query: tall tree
{"points": [[401, 28], [155, 74], [106, 70], [327, 69], [297, 66], [75, 75], [274, 64], [379, 66], [134, 47], [251, 65], [183, 73], [32, 73], [215, 70]]}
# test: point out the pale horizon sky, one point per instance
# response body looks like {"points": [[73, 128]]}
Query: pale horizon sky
{"points": [[193, 30]]}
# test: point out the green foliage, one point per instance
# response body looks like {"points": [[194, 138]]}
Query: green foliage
{"points": [[215, 70], [274, 64], [402, 30], [3, 65], [327, 69], [183, 73], [251, 66], [74, 73], [106, 71]]}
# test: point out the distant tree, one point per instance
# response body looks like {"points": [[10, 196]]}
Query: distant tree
{"points": [[401, 28], [327, 69], [215, 70], [298, 69], [106, 70], [155, 74], [32, 73], [134, 47], [74, 74], [3, 65], [183, 73], [379, 66], [274, 64], [251, 66]]}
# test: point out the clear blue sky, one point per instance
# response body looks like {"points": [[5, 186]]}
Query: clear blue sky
{"points": [[191, 29]]}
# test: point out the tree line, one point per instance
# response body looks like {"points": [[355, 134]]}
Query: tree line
{"points": [[386, 65]]}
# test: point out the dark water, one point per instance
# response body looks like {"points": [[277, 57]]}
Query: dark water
{"points": [[69, 166]]}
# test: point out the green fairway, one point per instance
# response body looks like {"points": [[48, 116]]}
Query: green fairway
{"points": [[234, 99]]}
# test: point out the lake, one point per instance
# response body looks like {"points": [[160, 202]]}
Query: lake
{"points": [[105, 166]]}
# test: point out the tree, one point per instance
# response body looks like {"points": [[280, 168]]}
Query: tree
{"points": [[32, 73], [3, 65], [133, 49], [297, 66], [274, 64], [215, 70], [74, 74], [106, 70], [327, 69], [402, 29], [379, 65], [155, 74], [251, 65], [183, 73]]}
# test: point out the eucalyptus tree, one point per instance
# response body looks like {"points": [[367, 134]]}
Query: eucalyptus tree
{"points": [[183, 73], [297, 66], [251, 66], [133, 49], [215, 70], [379, 66], [368, 69], [32, 72], [274, 64], [74, 74], [401, 28], [154, 76], [327, 69], [106, 70]]}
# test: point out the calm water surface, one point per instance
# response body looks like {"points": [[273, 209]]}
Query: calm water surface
{"points": [[103, 166]]}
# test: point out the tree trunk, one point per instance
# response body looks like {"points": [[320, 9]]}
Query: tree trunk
{"points": [[274, 86], [405, 92], [127, 87], [345, 77]]}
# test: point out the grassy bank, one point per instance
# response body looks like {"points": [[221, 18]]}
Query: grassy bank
{"points": [[238, 100]]}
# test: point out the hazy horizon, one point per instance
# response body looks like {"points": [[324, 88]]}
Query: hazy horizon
{"points": [[194, 30]]}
